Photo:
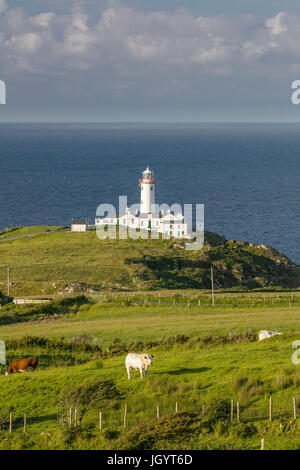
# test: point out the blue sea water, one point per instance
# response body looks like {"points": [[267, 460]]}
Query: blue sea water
{"points": [[248, 176]]}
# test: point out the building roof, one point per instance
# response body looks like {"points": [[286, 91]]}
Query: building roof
{"points": [[78, 222], [172, 216]]}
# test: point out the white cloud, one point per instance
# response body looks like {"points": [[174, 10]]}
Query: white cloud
{"points": [[275, 24], [126, 41], [3, 6], [43, 20], [24, 44]]}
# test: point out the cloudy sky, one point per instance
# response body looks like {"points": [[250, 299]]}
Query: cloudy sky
{"points": [[149, 60]]}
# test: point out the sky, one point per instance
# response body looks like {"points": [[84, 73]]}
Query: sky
{"points": [[149, 60]]}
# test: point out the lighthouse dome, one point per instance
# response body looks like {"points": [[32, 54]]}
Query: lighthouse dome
{"points": [[147, 174]]}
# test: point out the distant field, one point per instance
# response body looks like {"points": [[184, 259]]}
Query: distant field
{"points": [[109, 321], [23, 231], [47, 263]]}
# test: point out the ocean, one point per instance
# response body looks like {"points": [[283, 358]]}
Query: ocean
{"points": [[247, 175]]}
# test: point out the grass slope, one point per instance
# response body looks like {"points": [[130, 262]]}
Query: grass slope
{"points": [[216, 363], [61, 262]]}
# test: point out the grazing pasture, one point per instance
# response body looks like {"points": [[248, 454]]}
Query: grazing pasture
{"points": [[205, 357]]}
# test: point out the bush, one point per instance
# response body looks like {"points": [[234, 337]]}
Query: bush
{"points": [[111, 434], [172, 428], [87, 396]]}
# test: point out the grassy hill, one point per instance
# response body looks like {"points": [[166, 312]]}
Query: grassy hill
{"points": [[63, 262]]}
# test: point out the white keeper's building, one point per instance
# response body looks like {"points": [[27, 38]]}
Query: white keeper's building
{"points": [[169, 223]]}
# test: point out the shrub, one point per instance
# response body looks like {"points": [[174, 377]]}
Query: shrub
{"points": [[87, 396], [172, 428], [111, 434], [242, 430]]}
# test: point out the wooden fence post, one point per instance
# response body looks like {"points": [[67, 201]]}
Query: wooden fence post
{"points": [[212, 286], [25, 422], [295, 409], [125, 416], [100, 420], [176, 407], [70, 417], [262, 444], [203, 409], [231, 411], [270, 409], [157, 412], [75, 417], [10, 422], [238, 411]]}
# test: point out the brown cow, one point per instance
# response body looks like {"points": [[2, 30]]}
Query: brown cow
{"points": [[22, 365]]}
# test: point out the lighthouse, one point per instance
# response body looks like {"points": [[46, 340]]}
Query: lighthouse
{"points": [[149, 217], [147, 184]]}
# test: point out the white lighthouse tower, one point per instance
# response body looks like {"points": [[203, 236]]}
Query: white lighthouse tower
{"points": [[147, 184]]}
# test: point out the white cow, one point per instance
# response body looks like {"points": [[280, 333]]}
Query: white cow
{"points": [[138, 362], [263, 334]]}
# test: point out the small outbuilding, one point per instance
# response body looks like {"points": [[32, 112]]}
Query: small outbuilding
{"points": [[78, 226]]}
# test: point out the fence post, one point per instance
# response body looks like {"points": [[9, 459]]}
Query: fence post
{"points": [[262, 444], [70, 417], [100, 420], [10, 422], [199, 302], [75, 417], [238, 411], [231, 411], [270, 409], [25, 422], [125, 415], [203, 409], [176, 407], [157, 412], [295, 410]]}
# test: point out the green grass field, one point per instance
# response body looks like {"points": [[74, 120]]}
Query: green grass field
{"points": [[114, 297], [213, 364]]}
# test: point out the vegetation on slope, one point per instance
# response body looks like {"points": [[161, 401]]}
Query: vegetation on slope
{"points": [[235, 264], [66, 262]]}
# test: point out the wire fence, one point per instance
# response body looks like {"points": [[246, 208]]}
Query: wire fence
{"points": [[128, 417]]}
